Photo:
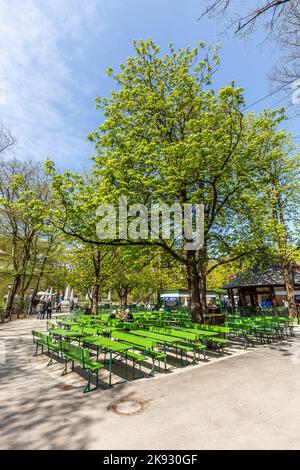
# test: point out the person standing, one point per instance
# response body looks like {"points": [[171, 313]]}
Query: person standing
{"points": [[49, 309], [58, 305], [41, 310]]}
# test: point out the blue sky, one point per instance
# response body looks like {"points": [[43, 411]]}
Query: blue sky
{"points": [[54, 55]]}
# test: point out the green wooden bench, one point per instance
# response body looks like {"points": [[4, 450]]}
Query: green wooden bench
{"points": [[186, 335], [44, 340], [113, 347], [185, 341], [141, 344], [67, 334], [50, 325], [147, 345], [171, 341], [81, 356], [220, 342]]}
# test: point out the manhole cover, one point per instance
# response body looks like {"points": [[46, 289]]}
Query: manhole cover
{"points": [[127, 407]]}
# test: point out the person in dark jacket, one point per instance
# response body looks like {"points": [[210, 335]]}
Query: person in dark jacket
{"points": [[49, 309], [129, 316]]}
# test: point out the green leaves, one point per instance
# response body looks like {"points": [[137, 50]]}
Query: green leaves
{"points": [[168, 136]]}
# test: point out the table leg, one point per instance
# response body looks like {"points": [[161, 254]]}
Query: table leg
{"points": [[110, 367]]}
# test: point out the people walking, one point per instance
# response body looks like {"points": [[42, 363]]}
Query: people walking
{"points": [[41, 310]]}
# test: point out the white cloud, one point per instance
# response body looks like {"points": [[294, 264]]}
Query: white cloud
{"points": [[42, 44]]}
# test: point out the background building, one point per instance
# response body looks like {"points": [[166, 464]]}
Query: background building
{"points": [[258, 286]]}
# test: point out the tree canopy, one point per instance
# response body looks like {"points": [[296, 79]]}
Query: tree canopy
{"points": [[169, 136]]}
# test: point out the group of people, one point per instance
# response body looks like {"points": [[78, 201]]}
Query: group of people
{"points": [[44, 308], [124, 315]]}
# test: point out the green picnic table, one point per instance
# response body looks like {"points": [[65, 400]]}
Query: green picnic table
{"points": [[202, 333], [110, 346], [146, 345], [164, 339], [185, 335], [193, 330], [161, 339], [189, 335], [91, 330], [66, 333], [66, 322]]}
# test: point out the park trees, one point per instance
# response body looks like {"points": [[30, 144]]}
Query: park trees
{"points": [[142, 272], [278, 184], [168, 137], [24, 201], [90, 268], [7, 139]]}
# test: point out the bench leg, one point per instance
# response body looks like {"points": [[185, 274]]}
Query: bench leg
{"points": [[36, 349], [87, 388], [153, 365], [165, 358], [51, 359], [65, 371], [110, 367]]}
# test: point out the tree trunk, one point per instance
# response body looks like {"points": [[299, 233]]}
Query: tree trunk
{"points": [[202, 290], [158, 298], [12, 295], [196, 292], [41, 274], [287, 264], [21, 300], [21, 303], [95, 299], [123, 296], [289, 287], [124, 299]]}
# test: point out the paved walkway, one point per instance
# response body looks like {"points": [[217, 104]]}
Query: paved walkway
{"points": [[250, 400]]}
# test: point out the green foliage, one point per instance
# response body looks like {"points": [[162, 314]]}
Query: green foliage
{"points": [[168, 136]]}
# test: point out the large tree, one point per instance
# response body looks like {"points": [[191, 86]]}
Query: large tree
{"points": [[24, 201], [278, 183], [91, 268], [167, 136]]}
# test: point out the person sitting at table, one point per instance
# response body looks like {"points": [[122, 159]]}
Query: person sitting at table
{"points": [[122, 315], [129, 315], [112, 314]]}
